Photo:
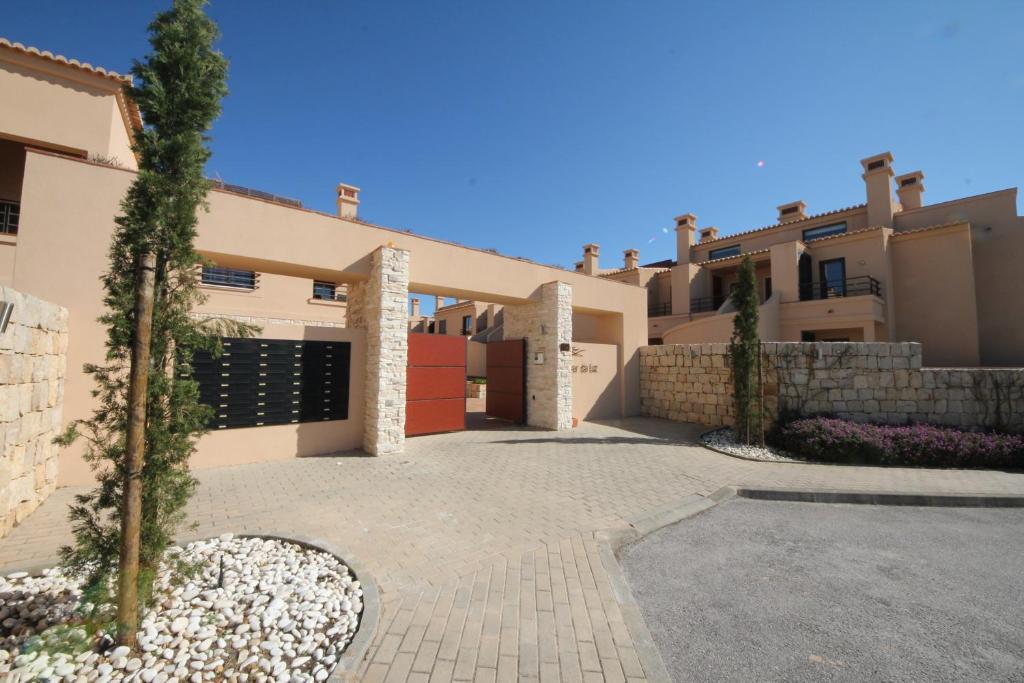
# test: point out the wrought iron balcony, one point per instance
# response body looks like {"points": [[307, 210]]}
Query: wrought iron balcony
{"points": [[706, 304], [658, 310], [828, 289]]}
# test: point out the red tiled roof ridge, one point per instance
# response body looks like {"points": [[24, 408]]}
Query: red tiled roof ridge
{"points": [[61, 59], [779, 225]]}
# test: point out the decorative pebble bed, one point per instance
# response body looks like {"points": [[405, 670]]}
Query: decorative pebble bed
{"points": [[253, 610], [725, 440]]}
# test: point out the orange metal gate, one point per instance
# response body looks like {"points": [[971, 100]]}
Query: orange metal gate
{"points": [[506, 380], [435, 384]]}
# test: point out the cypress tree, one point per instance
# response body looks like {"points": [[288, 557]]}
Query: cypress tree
{"points": [[744, 350], [178, 88]]}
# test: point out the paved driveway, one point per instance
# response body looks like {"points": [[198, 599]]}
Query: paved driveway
{"points": [[483, 542], [761, 591]]}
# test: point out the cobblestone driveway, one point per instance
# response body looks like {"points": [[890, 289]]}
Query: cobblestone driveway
{"points": [[483, 542]]}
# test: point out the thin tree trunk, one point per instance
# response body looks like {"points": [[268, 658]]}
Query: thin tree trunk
{"points": [[760, 388], [131, 517]]}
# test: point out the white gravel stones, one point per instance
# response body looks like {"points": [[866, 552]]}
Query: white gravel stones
{"points": [[725, 440], [280, 612]]}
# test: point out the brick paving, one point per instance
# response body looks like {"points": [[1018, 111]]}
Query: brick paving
{"points": [[484, 542]]}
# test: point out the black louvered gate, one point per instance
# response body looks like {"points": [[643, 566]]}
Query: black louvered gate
{"points": [[258, 382]]}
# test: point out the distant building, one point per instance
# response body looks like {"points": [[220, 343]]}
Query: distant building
{"points": [[892, 269]]}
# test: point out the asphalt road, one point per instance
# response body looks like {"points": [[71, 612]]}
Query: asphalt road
{"points": [[756, 591]]}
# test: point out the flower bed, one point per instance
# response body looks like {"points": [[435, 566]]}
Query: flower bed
{"points": [[225, 609], [834, 440]]}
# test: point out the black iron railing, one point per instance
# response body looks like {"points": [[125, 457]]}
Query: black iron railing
{"points": [[10, 213], [828, 289], [656, 310], [706, 304]]}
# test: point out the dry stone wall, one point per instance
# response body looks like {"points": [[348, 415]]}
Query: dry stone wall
{"points": [[380, 305], [546, 325], [33, 363], [862, 381]]}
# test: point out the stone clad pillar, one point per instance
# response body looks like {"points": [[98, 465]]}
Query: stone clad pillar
{"points": [[546, 325], [380, 306]]}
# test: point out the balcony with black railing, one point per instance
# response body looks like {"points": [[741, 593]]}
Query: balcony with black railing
{"points": [[706, 304], [865, 285], [658, 310]]}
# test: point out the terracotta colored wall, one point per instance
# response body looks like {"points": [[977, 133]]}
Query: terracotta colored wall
{"points": [[61, 107], [476, 359], [997, 236], [936, 266], [595, 382], [280, 442], [60, 261], [854, 219], [277, 296]]}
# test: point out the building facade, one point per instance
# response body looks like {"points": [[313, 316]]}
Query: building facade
{"points": [[306, 278], [891, 269]]}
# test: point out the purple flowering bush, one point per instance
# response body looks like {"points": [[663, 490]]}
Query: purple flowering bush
{"points": [[833, 440]]}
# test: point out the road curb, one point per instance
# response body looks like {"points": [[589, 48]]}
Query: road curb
{"points": [[880, 497], [611, 541]]}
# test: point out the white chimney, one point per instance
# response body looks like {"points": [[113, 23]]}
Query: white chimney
{"points": [[415, 308], [348, 200], [708, 234], [438, 302]]}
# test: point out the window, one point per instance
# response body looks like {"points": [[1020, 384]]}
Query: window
{"points": [[229, 277], [767, 288], [724, 252], [328, 291], [824, 231], [832, 277], [9, 214], [467, 324], [442, 327]]}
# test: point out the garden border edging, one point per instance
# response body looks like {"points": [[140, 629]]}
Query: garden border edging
{"points": [[369, 619]]}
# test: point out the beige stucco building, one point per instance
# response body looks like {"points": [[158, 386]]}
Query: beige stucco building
{"points": [[65, 133], [946, 275]]}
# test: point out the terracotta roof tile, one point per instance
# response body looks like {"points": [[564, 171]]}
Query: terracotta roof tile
{"points": [[788, 224], [61, 59]]}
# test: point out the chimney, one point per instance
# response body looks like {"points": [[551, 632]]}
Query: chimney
{"points": [[794, 211], [708, 234], [910, 188], [579, 266], [686, 229], [631, 259], [878, 183], [348, 200], [591, 252], [438, 302], [415, 308]]}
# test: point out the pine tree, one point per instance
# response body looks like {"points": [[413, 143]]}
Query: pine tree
{"points": [[744, 353], [178, 89]]}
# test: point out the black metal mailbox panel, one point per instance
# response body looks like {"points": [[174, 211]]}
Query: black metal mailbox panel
{"points": [[258, 382]]}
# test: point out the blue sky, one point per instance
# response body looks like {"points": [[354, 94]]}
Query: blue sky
{"points": [[535, 127]]}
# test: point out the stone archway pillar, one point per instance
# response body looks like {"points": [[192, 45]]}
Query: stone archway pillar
{"points": [[379, 305], [546, 325]]}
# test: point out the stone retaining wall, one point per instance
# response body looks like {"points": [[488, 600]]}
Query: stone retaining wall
{"points": [[33, 362], [862, 381]]}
